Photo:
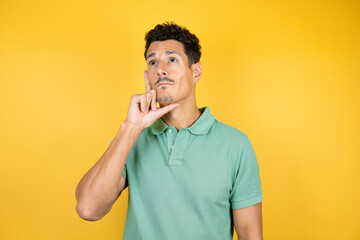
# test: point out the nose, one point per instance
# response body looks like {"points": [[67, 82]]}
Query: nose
{"points": [[161, 70]]}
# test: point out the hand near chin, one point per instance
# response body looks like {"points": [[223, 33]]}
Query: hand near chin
{"points": [[143, 111]]}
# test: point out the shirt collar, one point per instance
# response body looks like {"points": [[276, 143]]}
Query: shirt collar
{"points": [[201, 126]]}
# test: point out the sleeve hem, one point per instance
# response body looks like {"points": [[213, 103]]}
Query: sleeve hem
{"points": [[124, 173], [246, 203]]}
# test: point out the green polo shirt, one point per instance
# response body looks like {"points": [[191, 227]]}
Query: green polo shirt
{"points": [[183, 184]]}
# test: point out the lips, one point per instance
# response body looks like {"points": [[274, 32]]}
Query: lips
{"points": [[165, 83]]}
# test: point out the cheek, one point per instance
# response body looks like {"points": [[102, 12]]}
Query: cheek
{"points": [[152, 79], [189, 81], [183, 79], [185, 87]]}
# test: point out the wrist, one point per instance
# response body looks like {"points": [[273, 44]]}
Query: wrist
{"points": [[132, 127]]}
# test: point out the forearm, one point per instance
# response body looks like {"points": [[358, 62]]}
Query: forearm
{"points": [[99, 188]]}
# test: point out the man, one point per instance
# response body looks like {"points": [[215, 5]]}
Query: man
{"points": [[189, 176]]}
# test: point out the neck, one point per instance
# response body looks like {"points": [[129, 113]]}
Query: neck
{"points": [[182, 116]]}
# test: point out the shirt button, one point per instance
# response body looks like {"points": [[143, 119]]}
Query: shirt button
{"points": [[170, 130], [172, 147]]}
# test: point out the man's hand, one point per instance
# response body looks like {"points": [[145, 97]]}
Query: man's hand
{"points": [[143, 110]]}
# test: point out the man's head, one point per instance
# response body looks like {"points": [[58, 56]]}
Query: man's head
{"points": [[169, 30], [172, 54]]}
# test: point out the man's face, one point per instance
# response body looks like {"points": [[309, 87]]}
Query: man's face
{"points": [[169, 72]]}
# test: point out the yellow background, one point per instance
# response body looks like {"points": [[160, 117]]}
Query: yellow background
{"points": [[286, 73]]}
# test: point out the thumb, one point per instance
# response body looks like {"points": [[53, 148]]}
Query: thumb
{"points": [[166, 109]]}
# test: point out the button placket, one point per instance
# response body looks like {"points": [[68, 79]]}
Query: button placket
{"points": [[177, 154], [171, 136]]}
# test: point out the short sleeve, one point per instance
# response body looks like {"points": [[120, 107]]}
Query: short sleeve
{"points": [[124, 172], [246, 189]]}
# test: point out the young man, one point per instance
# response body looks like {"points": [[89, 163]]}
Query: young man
{"points": [[189, 175]]}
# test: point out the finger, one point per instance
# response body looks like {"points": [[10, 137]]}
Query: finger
{"points": [[153, 102], [148, 101], [166, 109], [142, 103], [135, 99], [147, 82]]}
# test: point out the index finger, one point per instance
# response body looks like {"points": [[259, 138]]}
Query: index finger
{"points": [[147, 82]]}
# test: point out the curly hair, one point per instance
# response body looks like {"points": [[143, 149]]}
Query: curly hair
{"points": [[170, 30]]}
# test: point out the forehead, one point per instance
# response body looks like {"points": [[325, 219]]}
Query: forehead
{"points": [[167, 45]]}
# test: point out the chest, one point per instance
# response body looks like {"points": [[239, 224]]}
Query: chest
{"points": [[181, 169]]}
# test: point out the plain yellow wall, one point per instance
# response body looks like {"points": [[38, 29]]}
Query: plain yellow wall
{"points": [[286, 73]]}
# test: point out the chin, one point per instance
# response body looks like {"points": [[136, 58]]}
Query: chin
{"points": [[165, 100]]}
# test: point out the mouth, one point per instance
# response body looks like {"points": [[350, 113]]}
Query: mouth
{"points": [[161, 84]]}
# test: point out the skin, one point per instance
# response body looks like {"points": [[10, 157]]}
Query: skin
{"points": [[103, 183], [248, 222]]}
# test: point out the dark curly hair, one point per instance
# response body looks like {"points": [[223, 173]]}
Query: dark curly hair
{"points": [[170, 30]]}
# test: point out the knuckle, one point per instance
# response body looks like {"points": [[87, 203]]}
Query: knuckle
{"points": [[133, 97]]}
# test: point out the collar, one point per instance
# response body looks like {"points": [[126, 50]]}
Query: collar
{"points": [[201, 126]]}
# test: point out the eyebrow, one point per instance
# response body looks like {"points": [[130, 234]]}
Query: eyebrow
{"points": [[166, 53]]}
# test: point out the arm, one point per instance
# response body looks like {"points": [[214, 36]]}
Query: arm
{"points": [[98, 190], [248, 222], [102, 184]]}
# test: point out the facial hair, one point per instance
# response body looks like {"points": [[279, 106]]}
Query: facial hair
{"points": [[165, 99]]}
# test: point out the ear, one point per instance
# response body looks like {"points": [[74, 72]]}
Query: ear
{"points": [[197, 71]]}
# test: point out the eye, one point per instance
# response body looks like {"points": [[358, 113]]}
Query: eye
{"points": [[152, 63], [173, 60]]}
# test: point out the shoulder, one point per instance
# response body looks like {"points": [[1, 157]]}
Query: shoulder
{"points": [[228, 133], [234, 143]]}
